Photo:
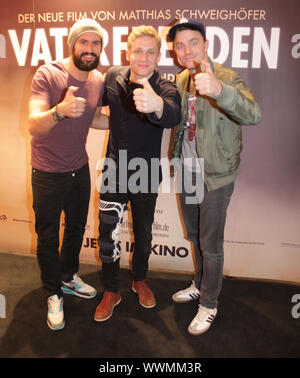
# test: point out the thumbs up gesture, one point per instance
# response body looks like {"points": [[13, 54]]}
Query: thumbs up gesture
{"points": [[205, 81], [146, 100], [72, 106]]}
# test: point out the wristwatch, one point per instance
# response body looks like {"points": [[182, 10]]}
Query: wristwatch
{"points": [[56, 117]]}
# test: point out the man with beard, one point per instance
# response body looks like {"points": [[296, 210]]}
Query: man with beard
{"points": [[65, 102]]}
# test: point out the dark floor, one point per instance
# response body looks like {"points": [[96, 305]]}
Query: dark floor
{"points": [[254, 319]]}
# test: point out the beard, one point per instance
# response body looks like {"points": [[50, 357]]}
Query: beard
{"points": [[85, 66]]}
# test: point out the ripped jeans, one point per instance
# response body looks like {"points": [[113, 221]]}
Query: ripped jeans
{"points": [[111, 208]]}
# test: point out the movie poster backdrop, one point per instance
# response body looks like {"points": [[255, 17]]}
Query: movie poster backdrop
{"points": [[260, 41]]}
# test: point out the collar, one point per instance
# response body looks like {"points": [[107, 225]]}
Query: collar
{"points": [[124, 75]]}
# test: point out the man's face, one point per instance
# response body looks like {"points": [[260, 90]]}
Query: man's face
{"points": [[190, 48], [143, 57], [86, 52]]}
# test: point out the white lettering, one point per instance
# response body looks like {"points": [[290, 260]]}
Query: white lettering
{"points": [[239, 47], [103, 16], [2, 306], [2, 46], [260, 45], [51, 17], [111, 368], [218, 49], [58, 34], [165, 47], [75, 16], [118, 45], [103, 57], [138, 181], [26, 18], [296, 48], [41, 49], [296, 308], [20, 51], [211, 33]]}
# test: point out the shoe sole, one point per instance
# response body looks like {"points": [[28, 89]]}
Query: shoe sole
{"points": [[184, 300], [110, 315], [57, 328], [143, 305], [197, 333], [67, 290]]}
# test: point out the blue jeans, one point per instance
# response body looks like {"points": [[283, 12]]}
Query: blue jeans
{"points": [[204, 224], [54, 193]]}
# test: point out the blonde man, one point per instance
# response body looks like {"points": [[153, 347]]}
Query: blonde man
{"points": [[141, 105]]}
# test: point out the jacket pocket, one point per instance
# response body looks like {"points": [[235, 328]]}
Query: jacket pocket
{"points": [[223, 153]]}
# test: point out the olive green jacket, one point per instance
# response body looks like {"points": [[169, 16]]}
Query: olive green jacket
{"points": [[218, 129]]}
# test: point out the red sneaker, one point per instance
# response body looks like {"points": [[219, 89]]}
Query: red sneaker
{"points": [[146, 296], [106, 307]]}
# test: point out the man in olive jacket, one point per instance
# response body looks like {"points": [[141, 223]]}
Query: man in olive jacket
{"points": [[207, 143]]}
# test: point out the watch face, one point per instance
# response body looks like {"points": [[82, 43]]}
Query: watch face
{"points": [[54, 114]]}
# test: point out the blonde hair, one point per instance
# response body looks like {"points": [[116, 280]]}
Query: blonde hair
{"points": [[143, 31]]}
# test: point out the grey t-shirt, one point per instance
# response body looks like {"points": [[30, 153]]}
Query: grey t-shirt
{"points": [[190, 158]]}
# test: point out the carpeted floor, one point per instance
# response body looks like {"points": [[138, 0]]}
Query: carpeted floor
{"points": [[254, 319]]}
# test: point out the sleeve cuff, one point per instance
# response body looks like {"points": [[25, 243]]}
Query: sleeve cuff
{"points": [[226, 97]]}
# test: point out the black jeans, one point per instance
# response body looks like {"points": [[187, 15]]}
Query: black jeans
{"points": [[142, 208], [54, 193]]}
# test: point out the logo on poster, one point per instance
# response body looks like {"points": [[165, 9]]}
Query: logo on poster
{"points": [[296, 308], [36, 43], [296, 48], [156, 249], [2, 306]]}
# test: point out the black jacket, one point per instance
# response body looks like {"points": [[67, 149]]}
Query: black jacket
{"points": [[138, 133]]}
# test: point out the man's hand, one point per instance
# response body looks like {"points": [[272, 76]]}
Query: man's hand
{"points": [[205, 81], [40, 120], [71, 106], [146, 100]]}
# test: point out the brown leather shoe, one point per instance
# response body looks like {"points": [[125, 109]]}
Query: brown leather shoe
{"points": [[106, 307], [146, 296]]}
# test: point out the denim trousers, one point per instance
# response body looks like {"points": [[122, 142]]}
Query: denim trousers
{"points": [[142, 210], [204, 225], [54, 193]]}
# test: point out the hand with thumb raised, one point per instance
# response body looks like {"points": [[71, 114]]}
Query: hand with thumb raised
{"points": [[71, 106], [205, 81], [71, 91], [146, 100]]}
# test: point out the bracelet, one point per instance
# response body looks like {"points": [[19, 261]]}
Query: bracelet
{"points": [[56, 117]]}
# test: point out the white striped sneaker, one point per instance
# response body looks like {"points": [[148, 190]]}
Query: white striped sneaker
{"points": [[202, 321], [187, 295], [79, 288]]}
